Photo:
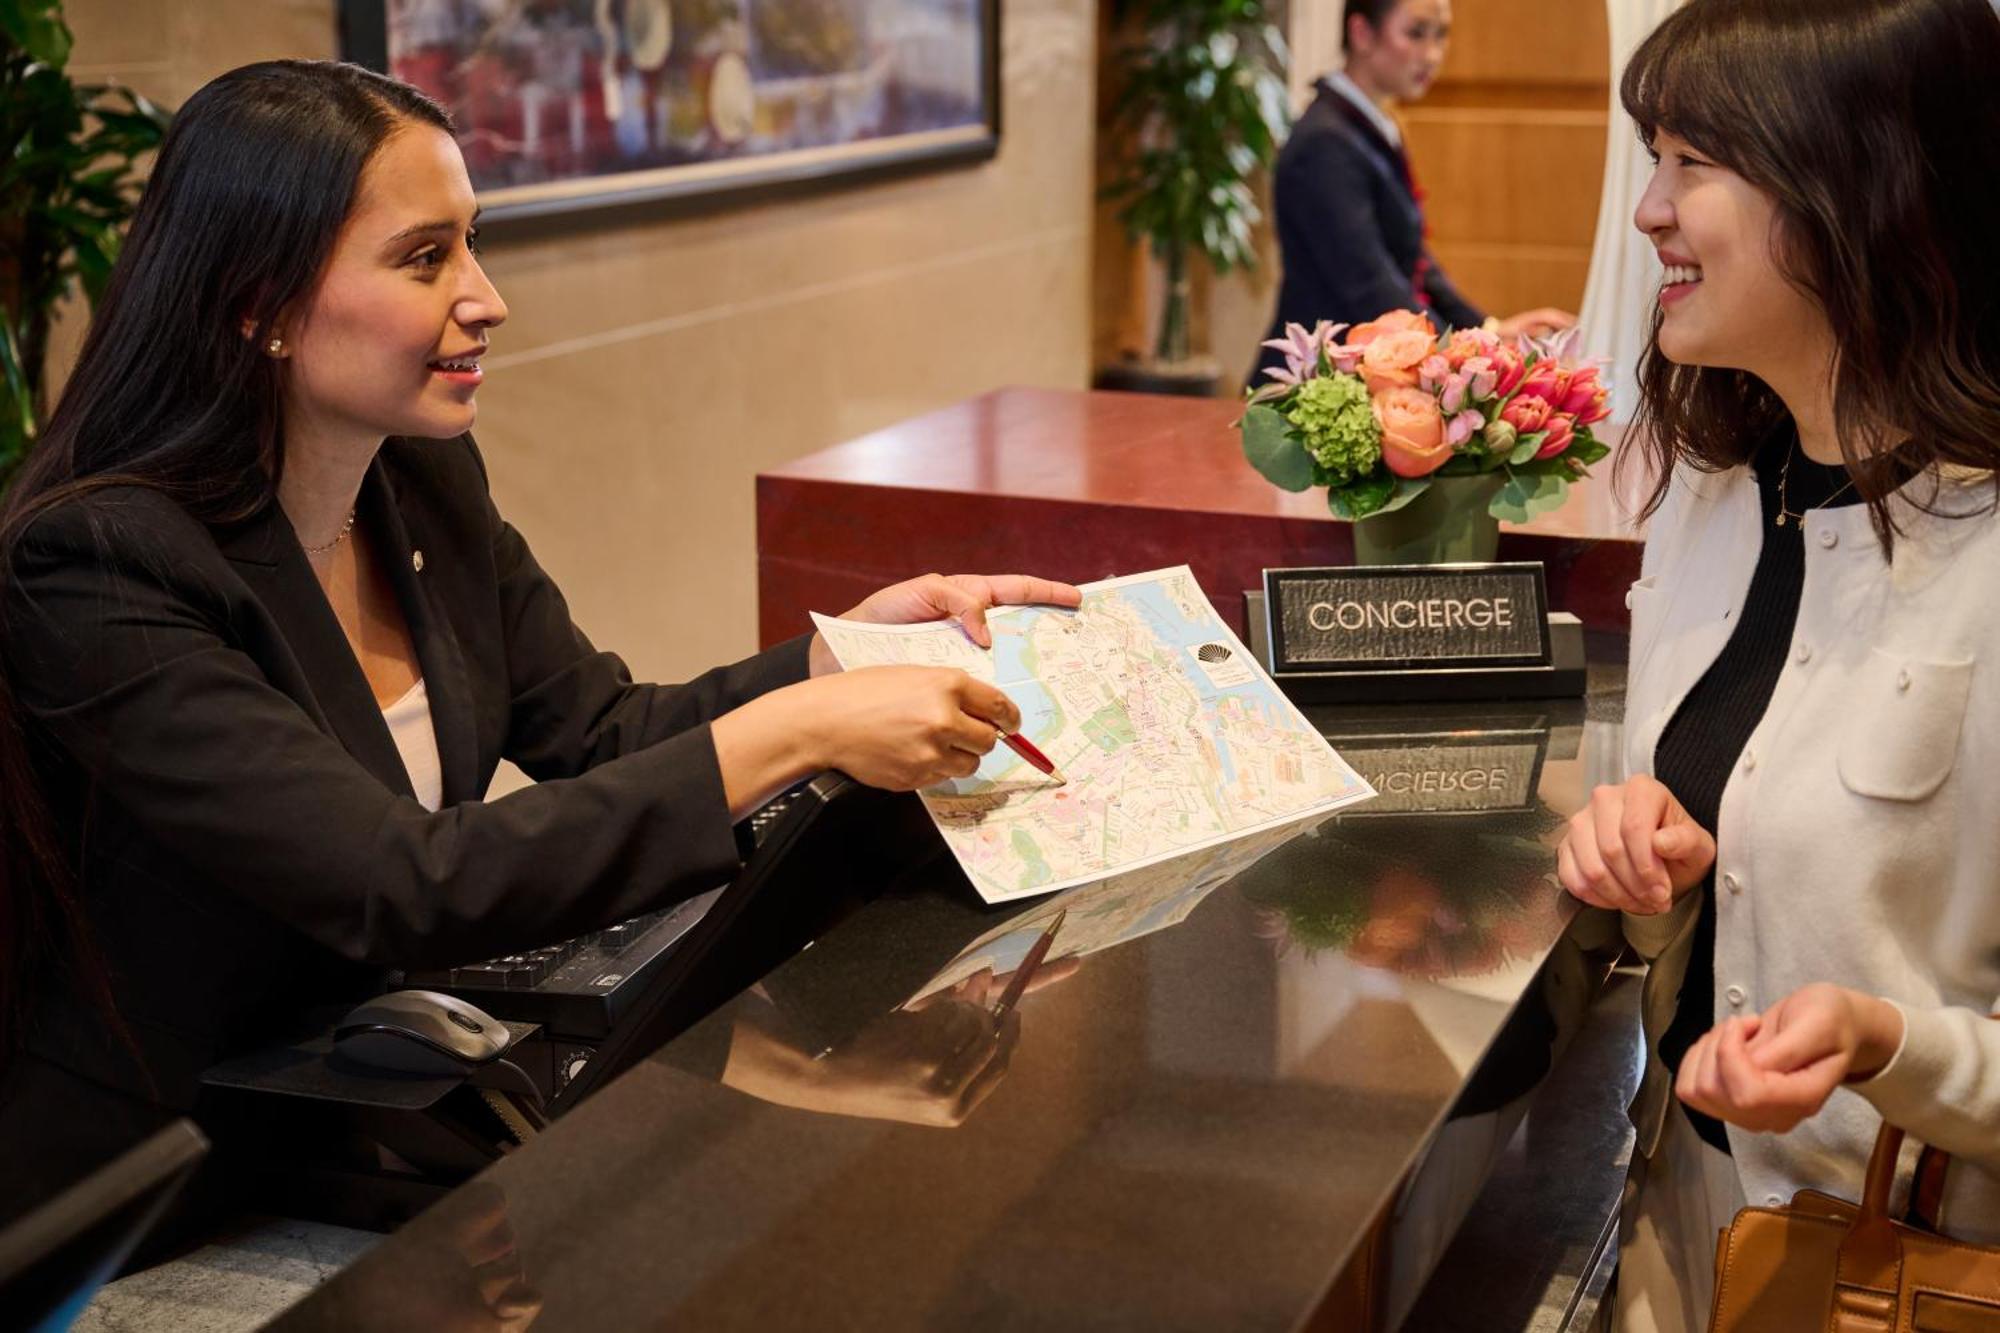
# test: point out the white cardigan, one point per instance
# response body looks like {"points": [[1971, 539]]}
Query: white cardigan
{"points": [[1859, 838]]}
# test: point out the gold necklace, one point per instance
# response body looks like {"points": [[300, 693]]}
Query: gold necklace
{"points": [[1784, 476], [348, 527]]}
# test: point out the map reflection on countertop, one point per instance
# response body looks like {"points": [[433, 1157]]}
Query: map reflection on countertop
{"points": [[1172, 736]]}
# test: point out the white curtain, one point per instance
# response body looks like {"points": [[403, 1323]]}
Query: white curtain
{"points": [[1617, 299]]}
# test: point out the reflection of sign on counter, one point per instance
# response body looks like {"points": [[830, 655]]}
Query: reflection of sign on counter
{"points": [[1442, 776]]}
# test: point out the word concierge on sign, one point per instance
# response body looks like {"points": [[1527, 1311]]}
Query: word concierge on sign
{"points": [[1407, 613]]}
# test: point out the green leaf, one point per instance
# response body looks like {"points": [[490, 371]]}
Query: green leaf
{"points": [[1268, 444], [1527, 494], [1358, 499], [1524, 452], [36, 26], [1588, 449], [1407, 489], [20, 413]]}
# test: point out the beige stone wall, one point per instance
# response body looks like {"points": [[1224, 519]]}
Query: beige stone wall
{"points": [[651, 368]]}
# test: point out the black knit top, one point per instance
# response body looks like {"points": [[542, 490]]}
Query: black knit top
{"points": [[1705, 737]]}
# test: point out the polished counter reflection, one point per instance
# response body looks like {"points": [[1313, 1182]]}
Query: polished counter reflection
{"points": [[1231, 1074]]}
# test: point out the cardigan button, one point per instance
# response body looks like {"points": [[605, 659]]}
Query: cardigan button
{"points": [[1804, 653], [1736, 996], [1733, 884], [417, 561], [1749, 761], [1828, 538], [1774, 1200], [1902, 682]]}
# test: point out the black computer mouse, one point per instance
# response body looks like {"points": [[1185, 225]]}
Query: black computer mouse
{"points": [[420, 1032]]}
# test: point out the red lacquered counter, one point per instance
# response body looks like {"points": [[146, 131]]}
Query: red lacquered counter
{"points": [[1082, 485]]}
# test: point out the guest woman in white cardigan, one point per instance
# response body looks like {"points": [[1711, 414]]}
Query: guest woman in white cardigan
{"points": [[1808, 847]]}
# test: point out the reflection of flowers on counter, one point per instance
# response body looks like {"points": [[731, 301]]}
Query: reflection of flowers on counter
{"points": [[1443, 899]]}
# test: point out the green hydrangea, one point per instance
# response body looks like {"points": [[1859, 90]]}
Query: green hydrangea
{"points": [[1337, 426]]}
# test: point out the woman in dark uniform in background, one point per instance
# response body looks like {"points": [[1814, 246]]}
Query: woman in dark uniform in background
{"points": [[1349, 214]]}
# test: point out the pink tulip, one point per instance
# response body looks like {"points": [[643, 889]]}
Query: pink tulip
{"points": [[1547, 380], [1509, 369], [1527, 413], [1577, 394], [1562, 432]]}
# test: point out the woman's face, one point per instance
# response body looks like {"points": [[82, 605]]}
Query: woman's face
{"points": [[389, 341], [1400, 59], [1723, 300]]}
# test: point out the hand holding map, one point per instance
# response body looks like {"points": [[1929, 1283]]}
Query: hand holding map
{"points": [[1171, 735]]}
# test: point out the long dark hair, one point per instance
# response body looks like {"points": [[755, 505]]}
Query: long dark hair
{"points": [[172, 390], [1873, 126]]}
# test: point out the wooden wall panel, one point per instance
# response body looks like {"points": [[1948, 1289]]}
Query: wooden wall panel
{"points": [[1509, 174]]}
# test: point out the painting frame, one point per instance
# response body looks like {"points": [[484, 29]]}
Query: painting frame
{"points": [[364, 39]]}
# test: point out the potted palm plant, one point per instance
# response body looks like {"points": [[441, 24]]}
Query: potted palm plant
{"points": [[1199, 113], [68, 186]]}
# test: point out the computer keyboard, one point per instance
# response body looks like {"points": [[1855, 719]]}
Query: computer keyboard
{"points": [[573, 988]]}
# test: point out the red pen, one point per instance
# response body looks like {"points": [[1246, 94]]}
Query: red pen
{"points": [[1022, 746]]}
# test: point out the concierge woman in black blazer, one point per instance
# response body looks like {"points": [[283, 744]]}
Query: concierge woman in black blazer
{"points": [[256, 532]]}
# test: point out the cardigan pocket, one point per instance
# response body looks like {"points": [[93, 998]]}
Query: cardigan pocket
{"points": [[1907, 714]]}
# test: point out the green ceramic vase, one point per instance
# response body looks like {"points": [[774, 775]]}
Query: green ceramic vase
{"points": [[1447, 524]]}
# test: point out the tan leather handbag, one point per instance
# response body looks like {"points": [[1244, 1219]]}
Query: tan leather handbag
{"points": [[1824, 1265]]}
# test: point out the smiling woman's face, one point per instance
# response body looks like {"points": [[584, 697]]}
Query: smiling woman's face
{"points": [[388, 342], [1724, 302]]}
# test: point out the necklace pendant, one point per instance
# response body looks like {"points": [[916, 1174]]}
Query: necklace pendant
{"points": [[1782, 516]]}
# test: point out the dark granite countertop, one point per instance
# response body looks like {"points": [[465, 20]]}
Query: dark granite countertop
{"points": [[1195, 1128]]}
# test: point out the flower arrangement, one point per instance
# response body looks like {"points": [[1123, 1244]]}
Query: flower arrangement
{"points": [[1377, 416]]}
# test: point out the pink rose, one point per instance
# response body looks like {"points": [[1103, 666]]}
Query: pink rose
{"points": [[1527, 413], [1391, 361], [1396, 321], [1413, 433], [1464, 344], [1508, 370], [1452, 394], [1547, 380], [1432, 373], [1482, 380], [1562, 432], [1461, 427]]}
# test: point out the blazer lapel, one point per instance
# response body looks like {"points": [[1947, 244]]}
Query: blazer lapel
{"points": [[1393, 157], [267, 556], [400, 538]]}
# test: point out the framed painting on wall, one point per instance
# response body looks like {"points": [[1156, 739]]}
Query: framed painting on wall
{"points": [[572, 104]]}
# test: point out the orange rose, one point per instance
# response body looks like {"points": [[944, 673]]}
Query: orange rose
{"points": [[1391, 360], [1396, 321], [1413, 438]]}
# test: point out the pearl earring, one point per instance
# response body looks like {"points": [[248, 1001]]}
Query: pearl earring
{"points": [[275, 346]]}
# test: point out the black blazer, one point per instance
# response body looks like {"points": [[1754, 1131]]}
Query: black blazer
{"points": [[246, 833], [1350, 228]]}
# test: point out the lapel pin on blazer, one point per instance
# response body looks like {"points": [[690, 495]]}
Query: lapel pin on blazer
{"points": [[417, 561]]}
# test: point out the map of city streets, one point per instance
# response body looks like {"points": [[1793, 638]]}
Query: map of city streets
{"points": [[1171, 735]]}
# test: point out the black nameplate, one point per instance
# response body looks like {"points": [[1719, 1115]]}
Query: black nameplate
{"points": [[1407, 617]]}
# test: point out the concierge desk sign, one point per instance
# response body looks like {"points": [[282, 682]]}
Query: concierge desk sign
{"points": [[1393, 632]]}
